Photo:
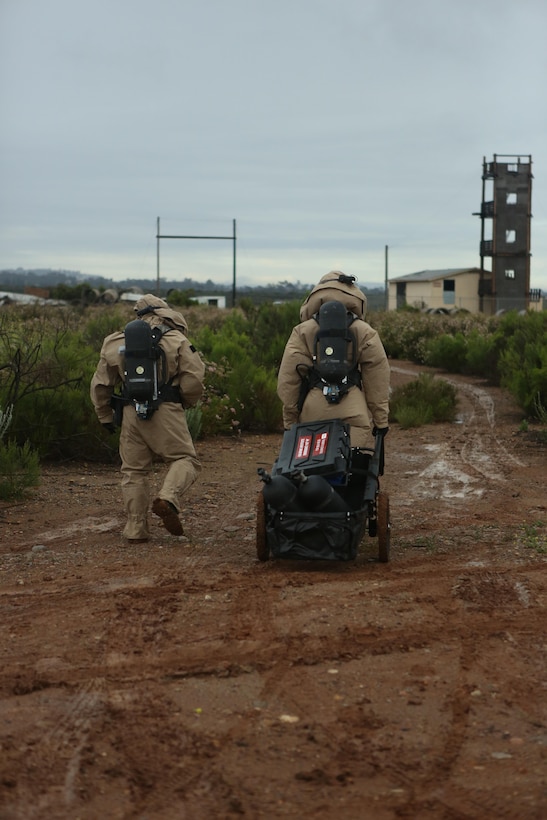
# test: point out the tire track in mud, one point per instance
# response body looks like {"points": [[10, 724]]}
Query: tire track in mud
{"points": [[209, 626], [483, 449], [236, 621], [132, 617], [249, 634], [73, 729], [461, 471], [477, 592], [459, 617], [58, 752], [190, 766]]}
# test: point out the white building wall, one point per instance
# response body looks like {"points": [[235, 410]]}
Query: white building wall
{"points": [[432, 294], [213, 301]]}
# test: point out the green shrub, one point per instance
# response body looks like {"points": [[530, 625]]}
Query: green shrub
{"points": [[19, 470], [481, 359], [471, 351], [540, 411], [194, 419], [73, 293], [523, 358], [405, 334], [58, 423], [219, 414], [413, 414], [5, 420], [259, 330], [448, 352], [422, 401], [19, 466], [182, 298], [412, 335], [45, 370], [270, 327], [239, 396], [510, 350], [48, 355], [241, 374], [102, 324], [254, 389]]}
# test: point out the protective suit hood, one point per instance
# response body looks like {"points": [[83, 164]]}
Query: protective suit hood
{"points": [[335, 286], [150, 305]]}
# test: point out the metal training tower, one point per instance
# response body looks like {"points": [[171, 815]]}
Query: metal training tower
{"points": [[506, 216]]}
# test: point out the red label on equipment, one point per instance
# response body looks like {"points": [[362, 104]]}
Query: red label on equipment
{"points": [[303, 446], [320, 444]]}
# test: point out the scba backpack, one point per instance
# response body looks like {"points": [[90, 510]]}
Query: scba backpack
{"points": [[335, 368], [145, 368]]}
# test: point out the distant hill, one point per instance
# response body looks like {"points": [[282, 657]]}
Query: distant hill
{"points": [[17, 279]]}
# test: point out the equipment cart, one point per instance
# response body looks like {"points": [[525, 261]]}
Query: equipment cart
{"points": [[321, 496]]}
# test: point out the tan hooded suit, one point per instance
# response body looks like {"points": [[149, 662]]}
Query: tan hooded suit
{"points": [[360, 407], [166, 433]]}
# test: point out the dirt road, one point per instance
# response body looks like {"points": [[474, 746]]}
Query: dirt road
{"points": [[185, 679]]}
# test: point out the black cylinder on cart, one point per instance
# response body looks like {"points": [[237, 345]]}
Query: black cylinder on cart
{"points": [[315, 493], [279, 492]]}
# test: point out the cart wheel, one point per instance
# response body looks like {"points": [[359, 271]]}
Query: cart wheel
{"points": [[262, 549], [384, 527]]}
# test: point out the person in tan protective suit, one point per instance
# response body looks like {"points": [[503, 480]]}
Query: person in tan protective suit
{"points": [[165, 434], [365, 405]]}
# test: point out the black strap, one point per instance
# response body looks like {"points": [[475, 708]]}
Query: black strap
{"points": [[148, 309], [170, 393], [311, 378]]}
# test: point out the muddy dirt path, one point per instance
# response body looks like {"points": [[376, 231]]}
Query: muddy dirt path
{"points": [[185, 679]]}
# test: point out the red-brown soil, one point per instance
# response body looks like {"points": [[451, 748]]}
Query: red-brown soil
{"points": [[183, 678]]}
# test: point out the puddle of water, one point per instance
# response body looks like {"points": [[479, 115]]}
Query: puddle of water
{"points": [[442, 480]]}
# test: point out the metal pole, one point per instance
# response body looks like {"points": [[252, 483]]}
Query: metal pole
{"points": [[158, 257], [179, 236], [234, 270], [386, 286], [481, 247]]}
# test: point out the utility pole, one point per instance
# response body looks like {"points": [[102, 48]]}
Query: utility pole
{"points": [[158, 257], [234, 268], [386, 285]]}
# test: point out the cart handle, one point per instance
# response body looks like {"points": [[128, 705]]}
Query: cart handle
{"points": [[375, 468]]}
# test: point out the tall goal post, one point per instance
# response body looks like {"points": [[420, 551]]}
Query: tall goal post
{"points": [[231, 238]]}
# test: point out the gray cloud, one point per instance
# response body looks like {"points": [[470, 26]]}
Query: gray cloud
{"points": [[328, 130]]}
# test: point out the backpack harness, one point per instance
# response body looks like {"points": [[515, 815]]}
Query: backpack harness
{"points": [[335, 369], [145, 368]]}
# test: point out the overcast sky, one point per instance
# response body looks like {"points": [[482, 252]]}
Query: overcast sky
{"points": [[327, 129]]}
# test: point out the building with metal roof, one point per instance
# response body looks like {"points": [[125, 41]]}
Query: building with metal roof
{"points": [[451, 289], [445, 289]]}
